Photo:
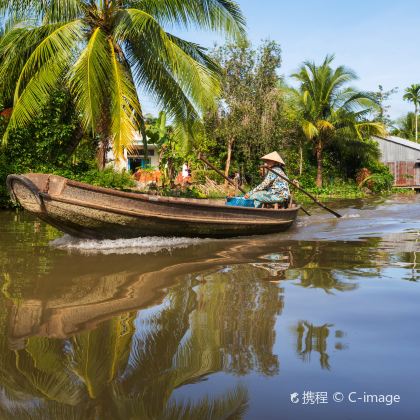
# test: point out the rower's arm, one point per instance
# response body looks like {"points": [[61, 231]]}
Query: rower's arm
{"points": [[268, 180]]}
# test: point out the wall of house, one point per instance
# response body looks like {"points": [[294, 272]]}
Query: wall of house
{"points": [[393, 152], [406, 174], [403, 159]]}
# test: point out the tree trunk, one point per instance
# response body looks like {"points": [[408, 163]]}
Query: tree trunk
{"points": [[144, 138], [300, 158], [415, 116], [77, 138], [228, 158], [319, 163], [101, 153]]}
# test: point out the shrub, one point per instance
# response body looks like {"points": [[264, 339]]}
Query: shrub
{"points": [[190, 192], [200, 175], [380, 180], [106, 178]]}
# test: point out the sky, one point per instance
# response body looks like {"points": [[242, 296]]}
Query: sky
{"points": [[378, 39]]}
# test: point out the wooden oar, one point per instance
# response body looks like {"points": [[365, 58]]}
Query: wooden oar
{"points": [[305, 192], [202, 158]]}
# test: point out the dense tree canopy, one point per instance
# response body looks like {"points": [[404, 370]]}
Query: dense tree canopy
{"points": [[104, 50], [330, 108], [255, 114]]}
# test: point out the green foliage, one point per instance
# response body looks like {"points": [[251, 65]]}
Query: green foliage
{"points": [[107, 177], [189, 192], [336, 189], [46, 144], [381, 179], [200, 175], [332, 111], [254, 115], [102, 51], [381, 113], [405, 127]]}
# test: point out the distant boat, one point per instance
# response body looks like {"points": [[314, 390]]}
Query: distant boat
{"points": [[88, 211]]}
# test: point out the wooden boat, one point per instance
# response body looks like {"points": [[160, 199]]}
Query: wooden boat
{"points": [[89, 211]]}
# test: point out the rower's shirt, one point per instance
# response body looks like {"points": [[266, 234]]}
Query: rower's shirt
{"points": [[273, 184]]}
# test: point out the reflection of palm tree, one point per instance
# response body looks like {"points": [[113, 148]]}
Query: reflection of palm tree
{"points": [[311, 338], [322, 266], [239, 312], [318, 277], [111, 373]]}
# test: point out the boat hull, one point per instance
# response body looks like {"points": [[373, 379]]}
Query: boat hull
{"points": [[87, 211]]}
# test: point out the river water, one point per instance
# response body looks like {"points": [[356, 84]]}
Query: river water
{"points": [[176, 328]]}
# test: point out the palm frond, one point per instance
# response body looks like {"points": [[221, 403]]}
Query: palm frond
{"points": [[197, 81], [232, 406], [123, 105], [58, 45], [42, 363], [370, 128], [99, 355], [153, 75], [35, 95], [309, 129], [16, 46], [41, 74], [47, 11], [323, 125], [223, 16], [89, 78]]}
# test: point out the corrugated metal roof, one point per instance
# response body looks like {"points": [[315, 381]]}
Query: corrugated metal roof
{"points": [[401, 141]]}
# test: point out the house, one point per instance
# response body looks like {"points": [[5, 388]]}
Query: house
{"points": [[403, 159], [134, 158]]}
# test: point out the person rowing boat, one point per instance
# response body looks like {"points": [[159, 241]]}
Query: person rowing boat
{"points": [[273, 189]]}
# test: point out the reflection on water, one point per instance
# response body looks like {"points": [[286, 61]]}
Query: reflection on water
{"points": [[185, 329], [314, 339]]}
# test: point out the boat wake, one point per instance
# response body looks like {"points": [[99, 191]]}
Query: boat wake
{"points": [[141, 245]]}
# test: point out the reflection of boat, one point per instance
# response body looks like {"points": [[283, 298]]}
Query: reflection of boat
{"points": [[93, 212], [93, 289]]}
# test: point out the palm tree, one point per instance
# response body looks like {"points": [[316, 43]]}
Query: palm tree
{"points": [[102, 51], [412, 94], [330, 109], [406, 126]]}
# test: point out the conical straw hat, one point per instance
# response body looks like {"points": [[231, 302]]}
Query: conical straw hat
{"points": [[274, 156]]}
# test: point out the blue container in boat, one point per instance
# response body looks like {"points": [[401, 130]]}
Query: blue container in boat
{"points": [[239, 202]]}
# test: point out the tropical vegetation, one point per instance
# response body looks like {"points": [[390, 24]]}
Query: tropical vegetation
{"points": [[103, 51], [412, 94], [71, 73], [332, 111], [405, 126]]}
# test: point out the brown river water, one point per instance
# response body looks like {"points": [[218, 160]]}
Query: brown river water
{"points": [[326, 315]]}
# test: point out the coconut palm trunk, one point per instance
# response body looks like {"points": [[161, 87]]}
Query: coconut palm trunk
{"points": [[318, 152]]}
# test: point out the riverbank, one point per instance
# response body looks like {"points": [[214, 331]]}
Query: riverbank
{"points": [[123, 181]]}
